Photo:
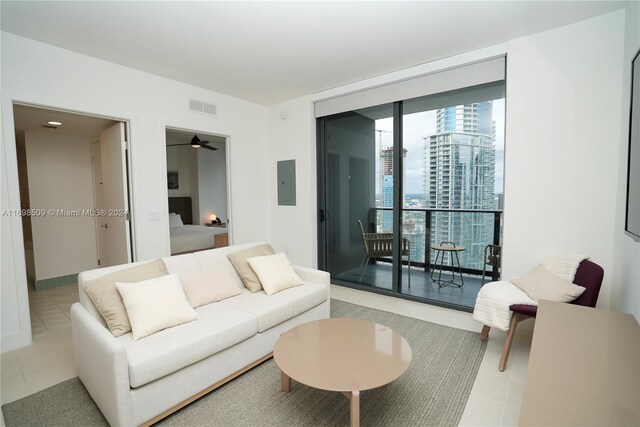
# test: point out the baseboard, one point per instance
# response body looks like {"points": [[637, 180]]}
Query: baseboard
{"points": [[56, 282], [13, 341]]}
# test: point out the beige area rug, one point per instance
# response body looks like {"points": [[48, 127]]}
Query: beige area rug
{"points": [[433, 391]]}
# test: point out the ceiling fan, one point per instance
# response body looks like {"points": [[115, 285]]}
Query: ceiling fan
{"points": [[196, 143]]}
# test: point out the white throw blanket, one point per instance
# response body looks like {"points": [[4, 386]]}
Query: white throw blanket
{"points": [[494, 298], [493, 301]]}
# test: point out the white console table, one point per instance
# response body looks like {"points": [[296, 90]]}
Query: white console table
{"points": [[584, 368]]}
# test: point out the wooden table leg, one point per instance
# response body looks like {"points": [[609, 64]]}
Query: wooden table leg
{"points": [[355, 408], [285, 381]]}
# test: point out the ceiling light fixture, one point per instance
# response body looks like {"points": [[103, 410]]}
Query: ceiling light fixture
{"points": [[54, 123], [195, 142]]}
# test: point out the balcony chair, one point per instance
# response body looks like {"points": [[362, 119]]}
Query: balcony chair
{"points": [[381, 245], [492, 258], [589, 275]]}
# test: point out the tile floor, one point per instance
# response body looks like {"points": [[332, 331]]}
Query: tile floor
{"points": [[494, 400], [380, 276]]}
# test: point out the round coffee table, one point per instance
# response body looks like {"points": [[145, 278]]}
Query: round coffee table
{"points": [[344, 355]]}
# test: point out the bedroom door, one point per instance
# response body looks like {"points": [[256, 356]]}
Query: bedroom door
{"points": [[96, 162], [114, 215]]}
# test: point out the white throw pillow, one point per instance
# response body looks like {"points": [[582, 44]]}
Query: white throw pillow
{"points": [[205, 288], [540, 283], [275, 272], [155, 304], [175, 221]]}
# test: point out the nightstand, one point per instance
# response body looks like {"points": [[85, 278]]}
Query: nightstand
{"points": [[221, 225], [220, 240]]}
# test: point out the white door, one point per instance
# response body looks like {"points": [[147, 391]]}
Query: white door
{"points": [[101, 221], [114, 196]]}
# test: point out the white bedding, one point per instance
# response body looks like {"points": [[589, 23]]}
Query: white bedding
{"points": [[189, 238]]}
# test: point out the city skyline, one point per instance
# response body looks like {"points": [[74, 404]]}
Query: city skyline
{"points": [[461, 175], [418, 125], [453, 160]]}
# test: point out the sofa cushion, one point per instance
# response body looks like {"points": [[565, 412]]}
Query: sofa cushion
{"points": [[275, 309], [105, 296], [155, 304], [217, 276], [205, 288], [182, 264], [244, 270], [215, 261], [275, 273], [218, 327]]}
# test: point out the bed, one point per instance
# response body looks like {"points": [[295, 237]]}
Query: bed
{"points": [[188, 237]]}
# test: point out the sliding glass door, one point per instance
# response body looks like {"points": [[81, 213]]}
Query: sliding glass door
{"points": [[357, 182], [399, 180]]}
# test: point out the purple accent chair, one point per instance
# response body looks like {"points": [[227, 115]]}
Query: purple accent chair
{"points": [[588, 275]]}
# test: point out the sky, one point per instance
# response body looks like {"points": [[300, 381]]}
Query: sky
{"points": [[419, 125]]}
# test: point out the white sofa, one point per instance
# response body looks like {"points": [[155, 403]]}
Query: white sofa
{"points": [[137, 382]]}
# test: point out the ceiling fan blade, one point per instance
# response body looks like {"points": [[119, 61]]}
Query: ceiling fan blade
{"points": [[208, 147], [177, 145]]}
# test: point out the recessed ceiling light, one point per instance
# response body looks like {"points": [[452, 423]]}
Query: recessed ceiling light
{"points": [[53, 123]]}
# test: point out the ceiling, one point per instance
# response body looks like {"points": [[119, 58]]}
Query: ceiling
{"points": [[267, 52], [32, 118]]}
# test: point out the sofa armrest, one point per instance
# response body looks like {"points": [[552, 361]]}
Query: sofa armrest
{"points": [[313, 275], [102, 366]]}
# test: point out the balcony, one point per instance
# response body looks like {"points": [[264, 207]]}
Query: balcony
{"points": [[473, 229]]}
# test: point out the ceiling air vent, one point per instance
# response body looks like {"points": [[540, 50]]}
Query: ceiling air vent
{"points": [[49, 126], [203, 107]]}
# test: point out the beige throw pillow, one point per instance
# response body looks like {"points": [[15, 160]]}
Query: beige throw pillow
{"points": [[244, 270], [540, 283], [275, 273], [205, 288], [107, 299], [155, 304]]}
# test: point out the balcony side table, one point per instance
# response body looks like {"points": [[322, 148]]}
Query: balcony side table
{"points": [[452, 249]]}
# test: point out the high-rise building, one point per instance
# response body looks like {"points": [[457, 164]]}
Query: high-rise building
{"points": [[385, 179], [460, 175]]}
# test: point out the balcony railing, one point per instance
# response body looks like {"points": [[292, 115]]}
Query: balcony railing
{"points": [[475, 230]]}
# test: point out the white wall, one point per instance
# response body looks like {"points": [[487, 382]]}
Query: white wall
{"points": [[61, 178], [294, 228], [564, 91], [179, 159], [76, 82], [625, 291], [212, 184]]}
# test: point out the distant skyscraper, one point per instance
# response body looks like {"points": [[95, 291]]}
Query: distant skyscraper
{"points": [[385, 179], [461, 175]]}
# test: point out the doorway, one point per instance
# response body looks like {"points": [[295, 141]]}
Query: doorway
{"points": [[74, 197], [198, 190]]}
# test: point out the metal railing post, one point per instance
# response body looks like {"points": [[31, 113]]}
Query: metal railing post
{"points": [[496, 241], [427, 240]]}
